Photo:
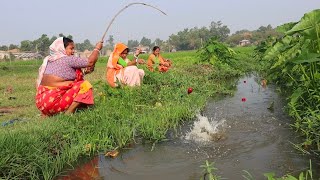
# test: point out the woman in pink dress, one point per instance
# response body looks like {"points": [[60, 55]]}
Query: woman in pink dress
{"points": [[121, 70]]}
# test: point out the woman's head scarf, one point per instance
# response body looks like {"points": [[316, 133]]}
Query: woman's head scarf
{"points": [[57, 51]]}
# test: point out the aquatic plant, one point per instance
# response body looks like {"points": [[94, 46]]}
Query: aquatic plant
{"points": [[209, 171]]}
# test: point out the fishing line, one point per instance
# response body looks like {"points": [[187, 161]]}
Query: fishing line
{"points": [[136, 3]]}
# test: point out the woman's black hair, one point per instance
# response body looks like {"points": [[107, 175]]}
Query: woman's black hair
{"points": [[128, 50], [67, 41], [155, 48]]}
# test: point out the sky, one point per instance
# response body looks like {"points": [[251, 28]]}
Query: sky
{"points": [[88, 19]]}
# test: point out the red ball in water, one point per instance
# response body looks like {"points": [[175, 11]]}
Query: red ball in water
{"points": [[243, 99], [190, 90]]}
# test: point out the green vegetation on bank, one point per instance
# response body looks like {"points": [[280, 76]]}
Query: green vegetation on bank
{"points": [[210, 173], [35, 148], [293, 63]]}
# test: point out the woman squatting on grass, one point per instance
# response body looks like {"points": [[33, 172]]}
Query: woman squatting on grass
{"points": [[121, 70], [60, 84], [156, 58]]}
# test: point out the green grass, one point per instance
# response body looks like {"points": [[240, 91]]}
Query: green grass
{"points": [[40, 148]]}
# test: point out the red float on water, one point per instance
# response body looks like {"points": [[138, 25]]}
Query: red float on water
{"points": [[243, 99]]}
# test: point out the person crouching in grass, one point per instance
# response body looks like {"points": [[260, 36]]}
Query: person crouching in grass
{"points": [[155, 58], [122, 71], [60, 83]]}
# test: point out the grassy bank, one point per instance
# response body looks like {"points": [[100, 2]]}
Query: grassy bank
{"points": [[35, 148]]}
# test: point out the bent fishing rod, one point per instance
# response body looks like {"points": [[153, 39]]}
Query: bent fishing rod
{"points": [[136, 3]]}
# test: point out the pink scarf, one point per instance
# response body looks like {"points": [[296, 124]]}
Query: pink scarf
{"points": [[57, 51]]}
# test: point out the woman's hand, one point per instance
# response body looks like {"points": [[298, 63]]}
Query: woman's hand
{"points": [[89, 69], [119, 66], [138, 51], [141, 61], [99, 45], [95, 54]]}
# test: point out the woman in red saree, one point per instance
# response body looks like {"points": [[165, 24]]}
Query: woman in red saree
{"points": [[156, 58], [122, 70], [60, 84]]}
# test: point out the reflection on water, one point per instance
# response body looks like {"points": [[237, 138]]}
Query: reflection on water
{"points": [[89, 170], [248, 131]]}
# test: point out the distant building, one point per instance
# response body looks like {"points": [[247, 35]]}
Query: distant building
{"points": [[4, 55], [173, 50], [85, 54], [244, 42], [28, 56], [145, 49], [17, 54], [14, 51]]}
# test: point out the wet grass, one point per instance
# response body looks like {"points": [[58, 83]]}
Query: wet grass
{"points": [[36, 148]]}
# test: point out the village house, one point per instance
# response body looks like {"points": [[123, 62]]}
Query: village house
{"points": [[244, 42], [85, 54], [144, 49], [28, 56], [16, 54], [4, 55]]}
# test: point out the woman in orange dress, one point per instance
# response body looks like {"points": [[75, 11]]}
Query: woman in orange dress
{"points": [[121, 70], [156, 58], [60, 84]]}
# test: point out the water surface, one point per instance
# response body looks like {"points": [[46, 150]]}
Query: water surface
{"points": [[248, 131]]}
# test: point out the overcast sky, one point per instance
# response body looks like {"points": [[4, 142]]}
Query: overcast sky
{"points": [[88, 19]]}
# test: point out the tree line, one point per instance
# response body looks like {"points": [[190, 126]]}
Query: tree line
{"points": [[187, 39]]}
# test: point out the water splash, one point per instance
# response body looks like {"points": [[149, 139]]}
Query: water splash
{"points": [[204, 130]]}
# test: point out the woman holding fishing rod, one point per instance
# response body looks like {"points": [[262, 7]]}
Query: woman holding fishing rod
{"points": [[60, 83]]}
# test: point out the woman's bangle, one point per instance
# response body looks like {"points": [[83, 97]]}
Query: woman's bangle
{"points": [[96, 49], [136, 57]]}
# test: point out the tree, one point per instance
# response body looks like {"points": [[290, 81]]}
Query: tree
{"points": [[218, 30], [4, 48], [180, 40], [158, 42], [145, 42], [133, 43], [42, 44], [62, 35], [86, 45], [111, 41], [69, 36], [53, 39], [12, 46], [26, 45]]}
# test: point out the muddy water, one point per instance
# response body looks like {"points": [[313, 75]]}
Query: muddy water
{"points": [[248, 131]]}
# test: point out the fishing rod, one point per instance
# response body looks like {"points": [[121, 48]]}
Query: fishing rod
{"points": [[136, 3]]}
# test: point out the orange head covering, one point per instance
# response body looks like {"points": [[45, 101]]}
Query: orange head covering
{"points": [[118, 49], [112, 66]]}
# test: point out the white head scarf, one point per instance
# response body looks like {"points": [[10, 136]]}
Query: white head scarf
{"points": [[57, 51]]}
